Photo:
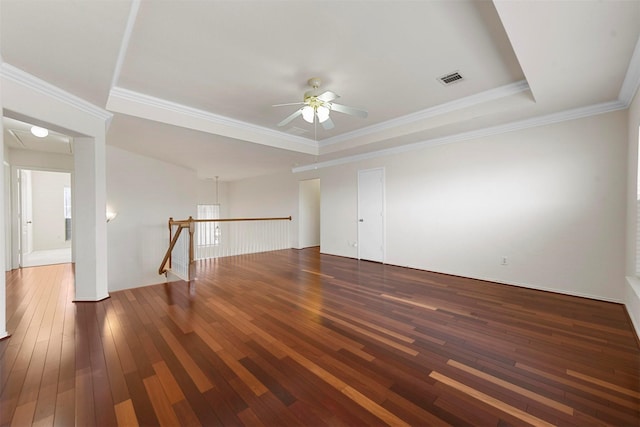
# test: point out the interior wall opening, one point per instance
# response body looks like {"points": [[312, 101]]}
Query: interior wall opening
{"points": [[309, 201], [38, 194], [44, 217]]}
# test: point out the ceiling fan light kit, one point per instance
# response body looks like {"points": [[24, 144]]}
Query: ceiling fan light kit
{"points": [[318, 106], [323, 113], [308, 113]]}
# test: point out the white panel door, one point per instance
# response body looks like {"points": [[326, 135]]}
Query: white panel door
{"points": [[26, 214], [371, 215]]}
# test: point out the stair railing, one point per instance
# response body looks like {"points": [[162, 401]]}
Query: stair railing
{"points": [[215, 238], [176, 251]]}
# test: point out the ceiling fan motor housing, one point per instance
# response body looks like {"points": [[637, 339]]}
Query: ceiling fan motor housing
{"points": [[314, 82]]}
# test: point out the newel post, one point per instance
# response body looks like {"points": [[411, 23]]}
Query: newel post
{"points": [[192, 229], [170, 239]]}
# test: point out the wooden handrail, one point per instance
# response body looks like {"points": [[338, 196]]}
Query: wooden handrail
{"points": [[187, 221], [167, 255]]}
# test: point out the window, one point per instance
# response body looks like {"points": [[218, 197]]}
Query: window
{"points": [[208, 233]]}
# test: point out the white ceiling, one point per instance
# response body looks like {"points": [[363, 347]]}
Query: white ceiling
{"points": [[192, 82], [18, 135]]}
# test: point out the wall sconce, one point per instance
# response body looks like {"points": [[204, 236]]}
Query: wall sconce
{"points": [[111, 215]]}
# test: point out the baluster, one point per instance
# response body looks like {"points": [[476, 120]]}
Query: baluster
{"points": [[218, 238]]}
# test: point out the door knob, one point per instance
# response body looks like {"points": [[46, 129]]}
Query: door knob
{"points": [[361, 220]]}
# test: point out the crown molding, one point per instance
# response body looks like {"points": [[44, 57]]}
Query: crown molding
{"points": [[573, 114], [16, 75], [458, 104], [632, 78], [118, 93], [126, 37]]}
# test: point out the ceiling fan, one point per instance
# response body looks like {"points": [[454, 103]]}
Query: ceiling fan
{"points": [[317, 105]]}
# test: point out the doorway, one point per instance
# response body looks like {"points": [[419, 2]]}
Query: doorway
{"points": [[371, 215], [309, 213], [44, 217]]}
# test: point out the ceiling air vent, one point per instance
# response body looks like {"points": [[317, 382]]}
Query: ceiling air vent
{"points": [[450, 78]]}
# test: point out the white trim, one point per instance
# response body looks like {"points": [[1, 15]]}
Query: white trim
{"points": [[118, 93], [535, 287], [632, 78], [97, 299], [500, 282], [458, 104], [124, 46], [632, 302], [576, 113], [16, 75]]}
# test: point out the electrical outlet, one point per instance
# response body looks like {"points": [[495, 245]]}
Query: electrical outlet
{"points": [[503, 260]]}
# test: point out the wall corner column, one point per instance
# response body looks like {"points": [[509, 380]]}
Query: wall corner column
{"points": [[3, 290], [90, 219]]}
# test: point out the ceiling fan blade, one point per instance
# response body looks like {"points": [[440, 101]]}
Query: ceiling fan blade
{"points": [[291, 117], [328, 96], [327, 124], [348, 110], [288, 103]]}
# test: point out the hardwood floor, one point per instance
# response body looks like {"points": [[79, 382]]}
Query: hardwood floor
{"points": [[295, 338]]}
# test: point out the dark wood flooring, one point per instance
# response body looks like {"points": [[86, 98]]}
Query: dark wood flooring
{"points": [[297, 338]]}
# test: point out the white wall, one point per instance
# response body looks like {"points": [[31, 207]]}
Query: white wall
{"points": [[8, 262], [632, 283], [207, 195], [40, 160], [267, 196], [551, 199], [7, 214], [48, 209], [339, 210], [144, 192], [3, 289]]}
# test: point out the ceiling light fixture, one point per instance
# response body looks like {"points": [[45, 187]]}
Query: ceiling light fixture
{"points": [[308, 113], [320, 111], [39, 132], [323, 113], [319, 105]]}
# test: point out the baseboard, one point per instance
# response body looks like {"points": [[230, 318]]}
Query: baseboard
{"points": [[555, 290], [92, 300], [632, 303]]}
